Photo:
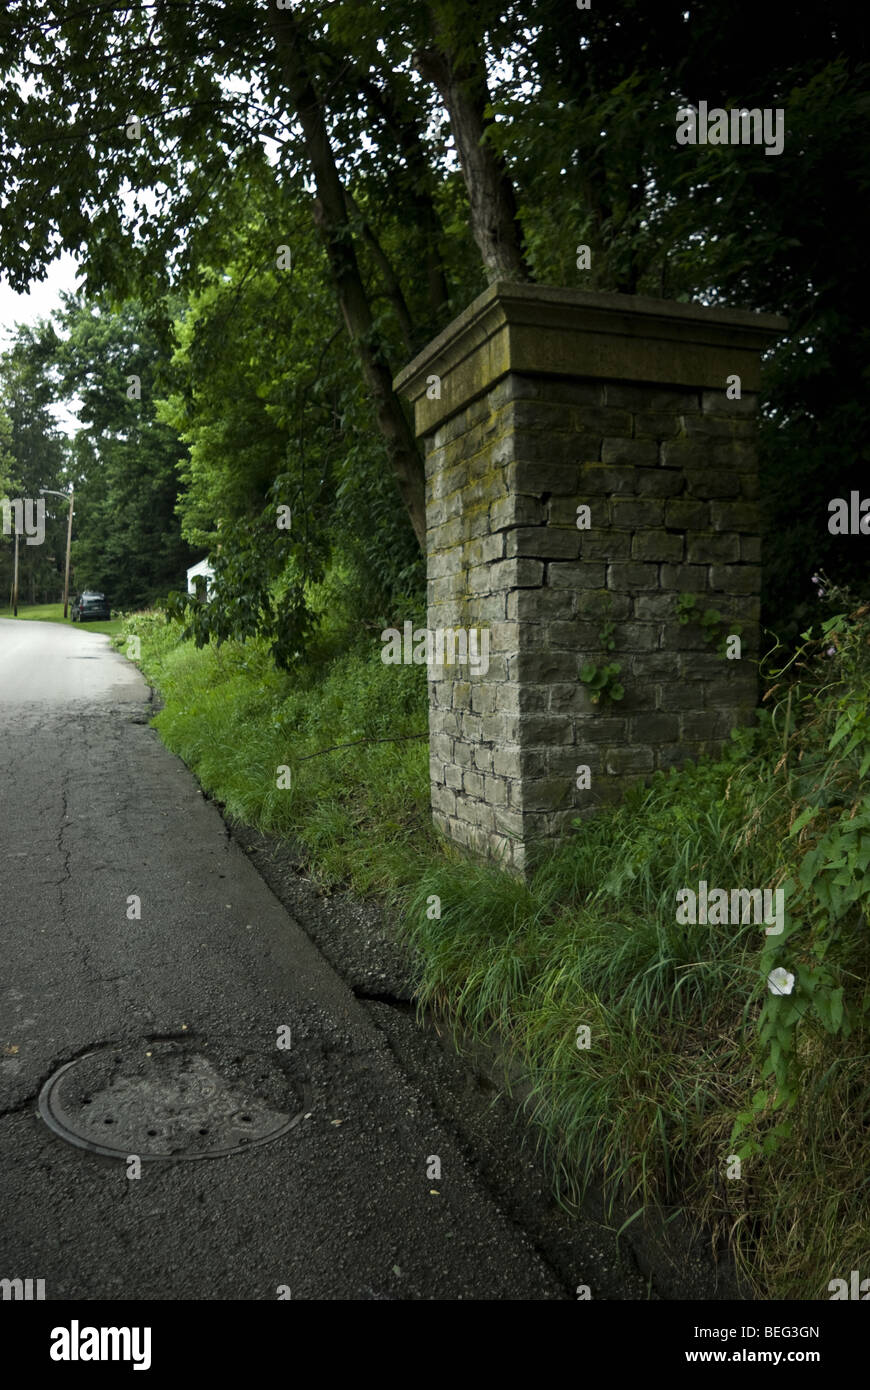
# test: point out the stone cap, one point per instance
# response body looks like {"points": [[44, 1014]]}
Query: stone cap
{"points": [[542, 330]]}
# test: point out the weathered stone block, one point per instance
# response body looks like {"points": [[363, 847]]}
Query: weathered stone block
{"points": [[738, 455], [594, 480], [489, 608], [546, 667], [702, 666], [689, 515], [643, 398], [706, 548], [604, 421], [744, 517], [547, 449], [445, 721], [581, 575], [539, 605], [687, 639], [496, 791], [718, 427], [575, 635], [632, 576], [745, 609], [654, 727], [656, 545], [685, 453], [538, 478], [652, 664], [544, 728], [622, 762], [599, 729], [673, 695], [505, 574], [603, 603], [734, 688], [556, 390], [483, 698], [660, 482], [717, 403], [482, 758], [472, 783], [501, 728], [520, 416], [441, 746], [546, 542], [547, 793], [637, 452], [570, 697], [444, 800], [650, 607], [736, 579], [507, 698], [483, 549], [445, 537], [712, 482], [649, 424], [684, 578], [707, 725], [613, 545], [641, 513], [639, 637], [516, 510]]}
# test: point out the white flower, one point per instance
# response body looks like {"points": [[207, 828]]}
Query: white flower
{"points": [[779, 981]]}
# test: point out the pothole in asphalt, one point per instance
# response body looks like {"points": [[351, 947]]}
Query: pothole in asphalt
{"points": [[173, 1098]]}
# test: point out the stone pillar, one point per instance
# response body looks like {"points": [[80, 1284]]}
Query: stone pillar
{"points": [[535, 402]]}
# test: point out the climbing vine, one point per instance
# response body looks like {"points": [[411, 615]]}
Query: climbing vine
{"points": [[603, 681], [813, 974]]}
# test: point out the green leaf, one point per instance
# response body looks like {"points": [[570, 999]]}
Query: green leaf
{"points": [[797, 826]]}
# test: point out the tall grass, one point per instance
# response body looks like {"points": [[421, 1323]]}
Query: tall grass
{"points": [[651, 1106], [591, 939], [360, 811]]}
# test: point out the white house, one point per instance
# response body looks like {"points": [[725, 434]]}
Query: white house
{"points": [[204, 569]]}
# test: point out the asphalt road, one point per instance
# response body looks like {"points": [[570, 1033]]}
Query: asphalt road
{"points": [[93, 810]]}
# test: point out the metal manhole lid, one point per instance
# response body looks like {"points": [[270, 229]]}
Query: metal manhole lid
{"points": [[172, 1098]]}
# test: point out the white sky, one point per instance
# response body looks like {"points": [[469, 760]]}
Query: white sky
{"points": [[41, 300], [43, 297]]}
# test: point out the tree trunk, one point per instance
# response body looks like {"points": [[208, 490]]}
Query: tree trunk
{"points": [[462, 86], [406, 132], [387, 273], [330, 214]]}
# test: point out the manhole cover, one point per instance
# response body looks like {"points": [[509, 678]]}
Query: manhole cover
{"points": [[172, 1098]]}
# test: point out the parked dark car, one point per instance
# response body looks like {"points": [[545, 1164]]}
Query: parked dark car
{"points": [[89, 607]]}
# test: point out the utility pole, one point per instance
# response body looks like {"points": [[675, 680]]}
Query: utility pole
{"points": [[68, 544], [15, 579], [69, 497]]}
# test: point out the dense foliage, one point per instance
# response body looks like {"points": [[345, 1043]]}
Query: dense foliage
{"points": [[33, 455], [403, 155]]}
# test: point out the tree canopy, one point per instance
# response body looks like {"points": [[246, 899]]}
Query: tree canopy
{"points": [[403, 155]]}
